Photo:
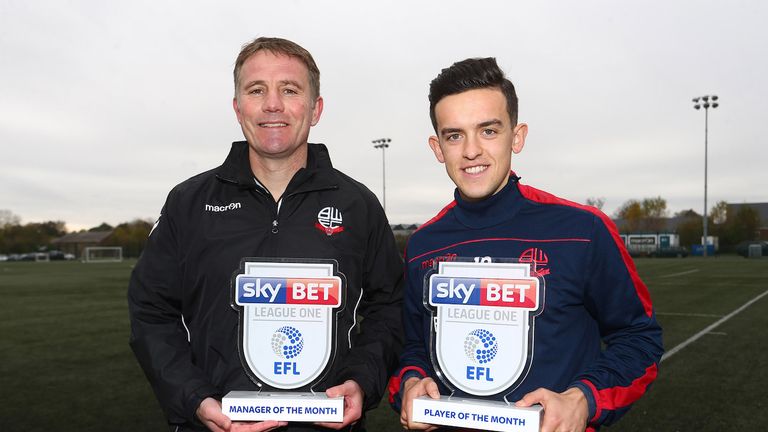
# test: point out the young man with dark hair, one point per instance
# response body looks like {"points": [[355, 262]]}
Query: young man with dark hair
{"points": [[275, 196], [593, 294]]}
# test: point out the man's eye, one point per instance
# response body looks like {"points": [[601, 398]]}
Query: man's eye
{"points": [[489, 132], [290, 91], [453, 137], [256, 91]]}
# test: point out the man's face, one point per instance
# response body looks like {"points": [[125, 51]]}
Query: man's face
{"points": [[475, 141], [274, 104]]}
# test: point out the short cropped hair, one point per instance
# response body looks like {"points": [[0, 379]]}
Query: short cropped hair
{"points": [[471, 74], [279, 46]]}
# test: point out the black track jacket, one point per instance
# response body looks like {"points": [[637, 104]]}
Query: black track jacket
{"points": [[184, 332]]}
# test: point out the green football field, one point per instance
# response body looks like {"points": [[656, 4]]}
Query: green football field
{"points": [[65, 363]]}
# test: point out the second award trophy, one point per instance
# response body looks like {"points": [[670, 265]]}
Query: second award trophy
{"points": [[482, 332]]}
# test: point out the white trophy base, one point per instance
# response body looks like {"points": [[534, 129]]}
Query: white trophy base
{"points": [[282, 406], [476, 414]]}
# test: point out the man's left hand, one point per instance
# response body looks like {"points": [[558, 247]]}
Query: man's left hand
{"points": [[563, 412], [353, 403]]}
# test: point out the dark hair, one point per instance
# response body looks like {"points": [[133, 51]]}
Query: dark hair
{"points": [[470, 74], [284, 47]]}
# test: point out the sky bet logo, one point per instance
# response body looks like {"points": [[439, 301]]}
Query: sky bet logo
{"points": [[294, 291], [512, 293]]}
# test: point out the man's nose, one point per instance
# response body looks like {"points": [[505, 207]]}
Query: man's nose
{"points": [[273, 102], [472, 148]]}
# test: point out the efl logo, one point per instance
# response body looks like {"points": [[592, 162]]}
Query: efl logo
{"points": [[329, 221], [481, 348], [297, 291], [287, 344]]}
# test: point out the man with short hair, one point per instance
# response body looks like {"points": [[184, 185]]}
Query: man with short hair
{"points": [[274, 196], [593, 294]]}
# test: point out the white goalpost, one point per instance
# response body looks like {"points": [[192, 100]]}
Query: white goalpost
{"points": [[102, 254], [42, 257]]}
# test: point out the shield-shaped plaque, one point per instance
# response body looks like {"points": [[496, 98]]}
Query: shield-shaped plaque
{"points": [[483, 316], [288, 319]]}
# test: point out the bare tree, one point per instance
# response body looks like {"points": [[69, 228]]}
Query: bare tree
{"points": [[7, 218], [596, 202]]}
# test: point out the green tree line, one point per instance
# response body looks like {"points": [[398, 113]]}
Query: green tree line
{"points": [[651, 215], [18, 238]]}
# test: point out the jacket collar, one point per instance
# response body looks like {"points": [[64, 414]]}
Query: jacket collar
{"points": [[319, 172], [498, 208]]}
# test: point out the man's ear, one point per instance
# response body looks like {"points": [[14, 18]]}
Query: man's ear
{"points": [[518, 141], [317, 110], [236, 107], [434, 144]]}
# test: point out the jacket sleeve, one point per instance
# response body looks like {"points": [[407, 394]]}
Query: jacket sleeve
{"points": [[159, 338], [621, 303], [376, 347], [415, 358]]}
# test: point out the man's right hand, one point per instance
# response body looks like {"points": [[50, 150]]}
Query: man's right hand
{"points": [[209, 412], [413, 388]]}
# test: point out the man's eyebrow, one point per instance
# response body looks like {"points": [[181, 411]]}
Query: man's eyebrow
{"points": [[446, 131], [291, 82], [262, 82], [494, 122]]}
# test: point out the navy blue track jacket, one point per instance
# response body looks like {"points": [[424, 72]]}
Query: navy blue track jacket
{"points": [[593, 294]]}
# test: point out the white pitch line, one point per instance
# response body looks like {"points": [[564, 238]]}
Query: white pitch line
{"points": [[698, 315], [695, 337], [679, 274]]}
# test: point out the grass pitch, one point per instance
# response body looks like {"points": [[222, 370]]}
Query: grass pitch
{"points": [[65, 363]]}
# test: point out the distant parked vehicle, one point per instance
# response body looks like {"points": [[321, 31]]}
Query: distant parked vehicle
{"points": [[743, 247], [27, 257], [3, 258], [670, 252], [654, 245], [56, 255]]}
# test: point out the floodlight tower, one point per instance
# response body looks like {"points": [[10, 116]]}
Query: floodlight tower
{"points": [[698, 103], [383, 144]]}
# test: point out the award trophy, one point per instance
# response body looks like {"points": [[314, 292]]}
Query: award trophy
{"points": [[287, 339], [481, 343]]}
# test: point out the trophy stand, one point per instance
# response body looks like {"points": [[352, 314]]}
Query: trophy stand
{"points": [[287, 339]]}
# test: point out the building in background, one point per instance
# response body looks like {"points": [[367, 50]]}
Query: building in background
{"points": [[75, 243]]}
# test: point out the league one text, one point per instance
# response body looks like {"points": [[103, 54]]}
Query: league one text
{"points": [[287, 325], [483, 314]]}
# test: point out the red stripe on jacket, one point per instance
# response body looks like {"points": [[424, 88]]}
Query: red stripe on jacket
{"points": [[539, 196]]}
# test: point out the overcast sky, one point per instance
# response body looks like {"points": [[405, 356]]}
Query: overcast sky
{"points": [[105, 106]]}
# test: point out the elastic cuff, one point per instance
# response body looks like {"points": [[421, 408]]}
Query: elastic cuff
{"points": [[197, 398], [590, 392], [396, 382]]}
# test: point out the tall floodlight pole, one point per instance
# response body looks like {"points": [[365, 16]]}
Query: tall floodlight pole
{"points": [[383, 144], [698, 103]]}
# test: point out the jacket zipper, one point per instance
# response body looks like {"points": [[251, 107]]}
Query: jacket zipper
{"points": [[275, 228]]}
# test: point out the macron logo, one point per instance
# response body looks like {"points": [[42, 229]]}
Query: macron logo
{"points": [[223, 208]]}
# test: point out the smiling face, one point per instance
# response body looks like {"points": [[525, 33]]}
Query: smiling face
{"points": [[475, 141], [275, 107]]}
